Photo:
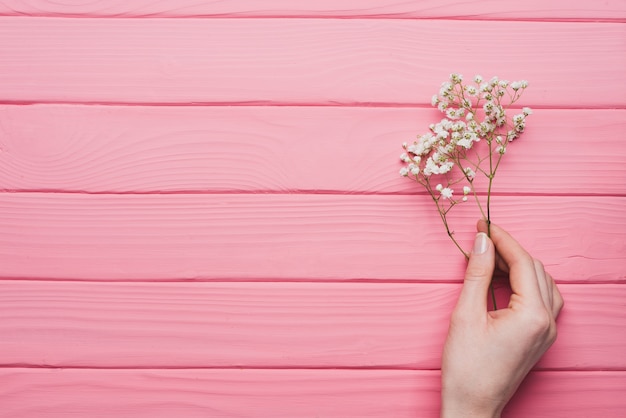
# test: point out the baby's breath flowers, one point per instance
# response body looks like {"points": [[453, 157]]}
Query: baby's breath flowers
{"points": [[468, 142]]}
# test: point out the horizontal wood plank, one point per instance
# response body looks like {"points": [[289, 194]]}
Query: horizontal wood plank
{"points": [[302, 61], [293, 237], [482, 9], [286, 393], [272, 325], [281, 149]]}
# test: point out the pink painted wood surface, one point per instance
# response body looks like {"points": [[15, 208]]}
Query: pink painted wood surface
{"points": [[282, 149], [483, 9], [203, 217], [273, 325], [293, 237], [302, 61], [286, 393]]}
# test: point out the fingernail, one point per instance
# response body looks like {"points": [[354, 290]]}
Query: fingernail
{"points": [[481, 242]]}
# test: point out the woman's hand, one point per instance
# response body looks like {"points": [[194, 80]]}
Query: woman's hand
{"points": [[488, 353]]}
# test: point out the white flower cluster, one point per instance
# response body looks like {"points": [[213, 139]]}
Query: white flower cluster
{"points": [[473, 113]]}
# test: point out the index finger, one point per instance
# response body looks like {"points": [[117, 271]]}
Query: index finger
{"points": [[521, 265]]}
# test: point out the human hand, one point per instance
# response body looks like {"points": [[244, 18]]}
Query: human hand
{"points": [[487, 354]]}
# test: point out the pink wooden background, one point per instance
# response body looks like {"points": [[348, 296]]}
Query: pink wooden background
{"points": [[201, 216]]}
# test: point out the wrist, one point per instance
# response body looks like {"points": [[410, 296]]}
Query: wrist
{"points": [[468, 408], [467, 413]]}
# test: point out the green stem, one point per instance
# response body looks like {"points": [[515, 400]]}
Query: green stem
{"points": [[444, 219], [491, 176]]}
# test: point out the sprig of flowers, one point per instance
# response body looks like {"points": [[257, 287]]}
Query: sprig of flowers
{"points": [[467, 143]]}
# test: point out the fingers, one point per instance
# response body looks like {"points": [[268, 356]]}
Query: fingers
{"points": [[557, 300], [545, 288], [473, 298], [527, 275], [521, 266]]}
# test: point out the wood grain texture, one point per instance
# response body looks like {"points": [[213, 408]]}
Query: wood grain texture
{"points": [[272, 325], [321, 61], [200, 212], [482, 9], [283, 149], [310, 237], [286, 393]]}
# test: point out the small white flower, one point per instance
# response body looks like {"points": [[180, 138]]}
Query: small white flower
{"points": [[465, 143], [466, 190], [458, 126], [446, 167], [445, 88], [527, 111], [456, 78], [469, 116], [439, 187], [464, 198], [517, 119], [441, 131], [488, 107], [471, 90], [511, 135], [430, 167], [404, 171], [415, 171], [478, 79], [469, 173], [516, 85], [501, 150], [471, 136], [446, 124], [446, 193], [503, 83], [405, 158], [486, 128], [404, 145]]}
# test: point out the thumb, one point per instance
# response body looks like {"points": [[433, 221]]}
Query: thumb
{"points": [[473, 297]]}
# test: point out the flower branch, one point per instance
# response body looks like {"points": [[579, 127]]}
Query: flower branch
{"points": [[450, 156]]}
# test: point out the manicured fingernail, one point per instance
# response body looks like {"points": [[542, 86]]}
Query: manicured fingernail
{"points": [[481, 242]]}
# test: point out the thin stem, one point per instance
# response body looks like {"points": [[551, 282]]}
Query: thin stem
{"points": [[491, 177], [442, 215]]}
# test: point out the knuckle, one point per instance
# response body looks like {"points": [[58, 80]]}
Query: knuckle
{"points": [[552, 335], [540, 322], [559, 302]]}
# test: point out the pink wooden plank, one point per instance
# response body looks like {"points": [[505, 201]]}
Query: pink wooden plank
{"points": [[272, 325], [302, 61], [486, 9], [309, 237], [280, 149], [286, 393]]}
